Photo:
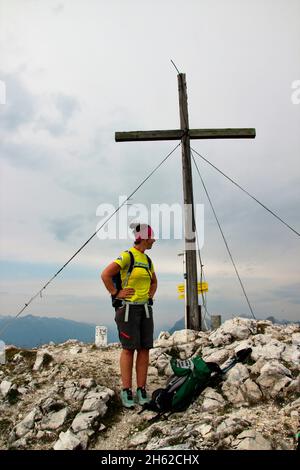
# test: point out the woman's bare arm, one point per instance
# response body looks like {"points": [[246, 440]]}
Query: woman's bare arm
{"points": [[107, 274]]}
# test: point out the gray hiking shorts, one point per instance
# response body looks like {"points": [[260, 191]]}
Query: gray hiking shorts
{"points": [[137, 332]]}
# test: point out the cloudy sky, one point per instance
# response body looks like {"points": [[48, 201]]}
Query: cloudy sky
{"points": [[75, 72]]}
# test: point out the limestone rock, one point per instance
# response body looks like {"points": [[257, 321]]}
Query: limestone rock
{"points": [[67, 441], [43, 358], [231, 426], [218, 356], [252, 440], [183, 336], [163, 335], [203, 429], [84, 421], [27, 423], [155, 353], [272, 350], [138, 439], [20, 444], [186, 350], [87, 383], [293, 406], [168, 370], [96, 402], [238, 374], [239, 328], [291, 355], [258, 365], [74, 392], [49, 404], [162, 363], [75, 350], [152, 371], [296, 339], [233, 393], [233, 387], [55, 420], [84, 437], [213, 401], [165, 340], [273, 378], [5, 387], [247, 343], [293, 387], [251, 391], [220, 338]]}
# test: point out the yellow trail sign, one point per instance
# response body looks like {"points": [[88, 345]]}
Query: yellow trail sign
{"points": [[202, 287]]}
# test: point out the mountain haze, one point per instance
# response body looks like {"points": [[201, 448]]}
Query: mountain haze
{"points": [[33, 331]]}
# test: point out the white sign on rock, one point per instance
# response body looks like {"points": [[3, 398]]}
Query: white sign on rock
{"points": [[2, 352], [101, 336]]}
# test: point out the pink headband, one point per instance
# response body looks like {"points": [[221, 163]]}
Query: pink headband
{"points": [[144, 233]]}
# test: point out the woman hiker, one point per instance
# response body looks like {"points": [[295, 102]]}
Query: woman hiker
{"points": [[132, 300]]}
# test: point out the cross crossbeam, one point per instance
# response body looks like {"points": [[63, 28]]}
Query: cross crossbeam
{"points": [[177, 134]]}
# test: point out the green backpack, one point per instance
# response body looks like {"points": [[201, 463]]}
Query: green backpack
{"points": [[190, 378], [196, 374]]}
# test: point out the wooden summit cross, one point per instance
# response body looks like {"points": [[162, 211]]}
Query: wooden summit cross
{"points": [[192, 317]]}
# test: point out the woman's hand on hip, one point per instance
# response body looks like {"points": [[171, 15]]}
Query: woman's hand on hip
{"points": [[125, 293]]}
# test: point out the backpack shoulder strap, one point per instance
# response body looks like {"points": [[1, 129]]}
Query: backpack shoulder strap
{"points": [[149, 262], [149, 266], [131, 265]]}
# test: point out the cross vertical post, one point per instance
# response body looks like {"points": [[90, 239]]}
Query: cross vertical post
{"points": [[192, 317]]}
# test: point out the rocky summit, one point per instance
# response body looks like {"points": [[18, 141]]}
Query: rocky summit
{"points": [[66, 396]]}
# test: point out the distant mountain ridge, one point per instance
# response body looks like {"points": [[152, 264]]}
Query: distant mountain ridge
{"points": [[282, 322], [33, 331], [180, 324]]}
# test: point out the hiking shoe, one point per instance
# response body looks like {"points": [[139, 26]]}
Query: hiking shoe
{"points": [[127, 398], [141, 395]]}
